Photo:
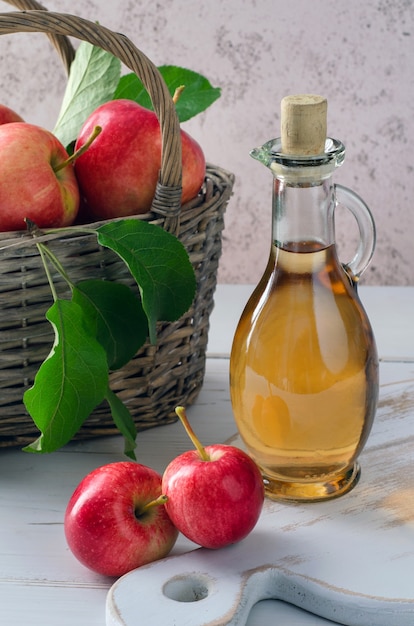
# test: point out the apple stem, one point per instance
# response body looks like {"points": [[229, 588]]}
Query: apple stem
{"points": [[96, 131], [162, 499], [184, 420], [177, 93]]}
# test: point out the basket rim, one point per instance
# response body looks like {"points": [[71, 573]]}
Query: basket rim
{"points": [[22, 238]]}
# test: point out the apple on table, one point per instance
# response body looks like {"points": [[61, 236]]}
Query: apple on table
{"points": [[215, 494], [116, 521], [124, 515]]}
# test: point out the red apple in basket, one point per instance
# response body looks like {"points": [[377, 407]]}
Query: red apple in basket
{"points": [[116, 520], [119, 172], [214, 494], [7, 115], [35, 183]]}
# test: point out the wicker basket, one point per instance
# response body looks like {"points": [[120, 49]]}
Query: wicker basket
{"points": [[159, 377]]}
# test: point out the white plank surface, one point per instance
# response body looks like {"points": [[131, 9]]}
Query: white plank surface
{"points": [[41, 584]]}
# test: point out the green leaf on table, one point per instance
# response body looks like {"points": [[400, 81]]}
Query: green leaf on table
{"points": [[120, 322], [70, 383], [197, 96], [160, 265], [123, 421], [93, 77]]}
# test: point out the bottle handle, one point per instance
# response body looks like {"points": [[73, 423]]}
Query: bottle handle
{"points": [[354, 203]]}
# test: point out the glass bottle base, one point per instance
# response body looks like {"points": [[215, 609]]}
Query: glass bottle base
{"points": [[284, 490]]}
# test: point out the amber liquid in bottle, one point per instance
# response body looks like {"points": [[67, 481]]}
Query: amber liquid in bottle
{"points": [[304, 373]]}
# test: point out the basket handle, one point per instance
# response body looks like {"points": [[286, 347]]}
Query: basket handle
{"points": [[62, 44], [167, 200]]}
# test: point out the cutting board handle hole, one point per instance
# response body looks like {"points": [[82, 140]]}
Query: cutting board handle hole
{"points": [[187, 587]]}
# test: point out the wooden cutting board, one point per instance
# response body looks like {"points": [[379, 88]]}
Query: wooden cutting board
{"points": [[350, 560]]}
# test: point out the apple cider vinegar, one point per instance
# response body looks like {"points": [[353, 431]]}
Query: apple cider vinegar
{"points": [[304, 364], [303, 381]]}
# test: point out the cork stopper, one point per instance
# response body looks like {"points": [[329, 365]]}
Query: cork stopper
{"points": [[303, 124]]}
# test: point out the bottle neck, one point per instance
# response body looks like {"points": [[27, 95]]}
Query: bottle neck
{"points": [[303, 215]]}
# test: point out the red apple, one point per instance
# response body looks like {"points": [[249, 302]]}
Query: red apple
{"points": [[31, 183], [8, 115], [214, 494], [119, 171], [116, 521]]}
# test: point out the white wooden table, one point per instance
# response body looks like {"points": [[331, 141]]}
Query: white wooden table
{"points": [[41, 583]]}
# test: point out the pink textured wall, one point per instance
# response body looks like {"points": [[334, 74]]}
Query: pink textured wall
{"points": [[357, 54]]}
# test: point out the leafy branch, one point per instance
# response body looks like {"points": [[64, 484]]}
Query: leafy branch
{"points": [[102, 326]]}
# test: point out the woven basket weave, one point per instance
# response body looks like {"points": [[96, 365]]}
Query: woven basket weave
{"points": [[159, 377]]}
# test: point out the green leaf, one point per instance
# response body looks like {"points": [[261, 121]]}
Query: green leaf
{"points": [[160, 265], [130, 87], [70, 383], [197, 96], [94, 75], [123, 421], [120, 321]]}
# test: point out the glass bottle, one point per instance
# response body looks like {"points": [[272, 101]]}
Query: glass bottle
{"points": [[304, 366]]}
